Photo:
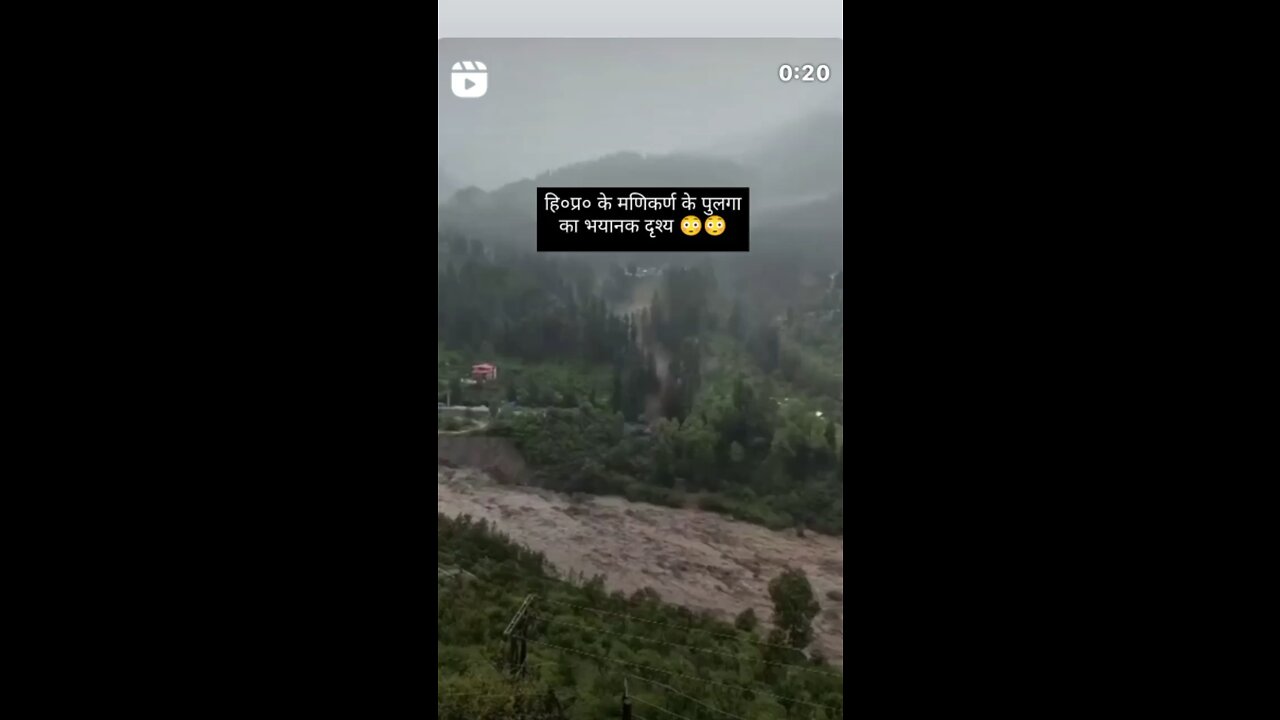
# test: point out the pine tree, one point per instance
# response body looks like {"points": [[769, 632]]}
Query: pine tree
{"points": [[736, 323], [616, 402]]}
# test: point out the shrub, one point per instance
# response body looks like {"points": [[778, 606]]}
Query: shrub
{"points": [[654, 495]]}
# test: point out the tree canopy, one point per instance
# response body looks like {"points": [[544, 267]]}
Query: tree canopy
{"points": [[794, 607], [684, 398], [583, 643]]}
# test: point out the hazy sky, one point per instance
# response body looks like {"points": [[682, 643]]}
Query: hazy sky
{"points": [[553, 102]]}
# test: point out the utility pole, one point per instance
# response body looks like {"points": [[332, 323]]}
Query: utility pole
{"points": [[517, 646], [626, 700]]}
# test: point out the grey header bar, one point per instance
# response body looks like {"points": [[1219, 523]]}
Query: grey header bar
{"points": [[641, 18]]}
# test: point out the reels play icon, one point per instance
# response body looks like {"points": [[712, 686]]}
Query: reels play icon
{"points": [[470, 79]]}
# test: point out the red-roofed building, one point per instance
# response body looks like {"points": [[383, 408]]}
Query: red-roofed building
{"points": [[484, 373]]}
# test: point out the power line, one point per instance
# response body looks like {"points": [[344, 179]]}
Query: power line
{"points": [[655, 707], [524, 576], [686, 697], [677, 627], [696, 649], [802, 668], [726, 636], [485, 693], [686, 677]]}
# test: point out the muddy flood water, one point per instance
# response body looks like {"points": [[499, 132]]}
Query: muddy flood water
{"points": [[692, 558]]}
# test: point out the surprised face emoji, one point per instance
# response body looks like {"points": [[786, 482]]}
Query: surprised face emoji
{"points": [[691, 225], [715, 226]]}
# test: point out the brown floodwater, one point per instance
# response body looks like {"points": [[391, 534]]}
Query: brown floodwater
{"points": [[693, 558]]}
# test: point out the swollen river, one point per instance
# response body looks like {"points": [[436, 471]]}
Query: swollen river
{"points": [[692, 558]]}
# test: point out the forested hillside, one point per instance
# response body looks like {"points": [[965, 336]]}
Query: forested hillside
{"points": [[689, 397], [570, 655]]}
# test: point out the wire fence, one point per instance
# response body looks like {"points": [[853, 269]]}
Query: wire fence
{"points": [[669, 673], [646, 621], [706, 651]]}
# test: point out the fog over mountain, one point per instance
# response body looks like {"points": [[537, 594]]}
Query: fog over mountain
{"points": [[794, 172], [445, 184], [552, 103], [616, 113]]}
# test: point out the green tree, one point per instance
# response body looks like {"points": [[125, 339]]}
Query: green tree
{"points": [[471, 686], [616, 402], [767, 346], [737, 326], [697, 444], [665, 446], [747, 621], [794, 607]]}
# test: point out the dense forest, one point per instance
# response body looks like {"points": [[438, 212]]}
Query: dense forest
{"points": [[656, 384], [571, 651]]}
